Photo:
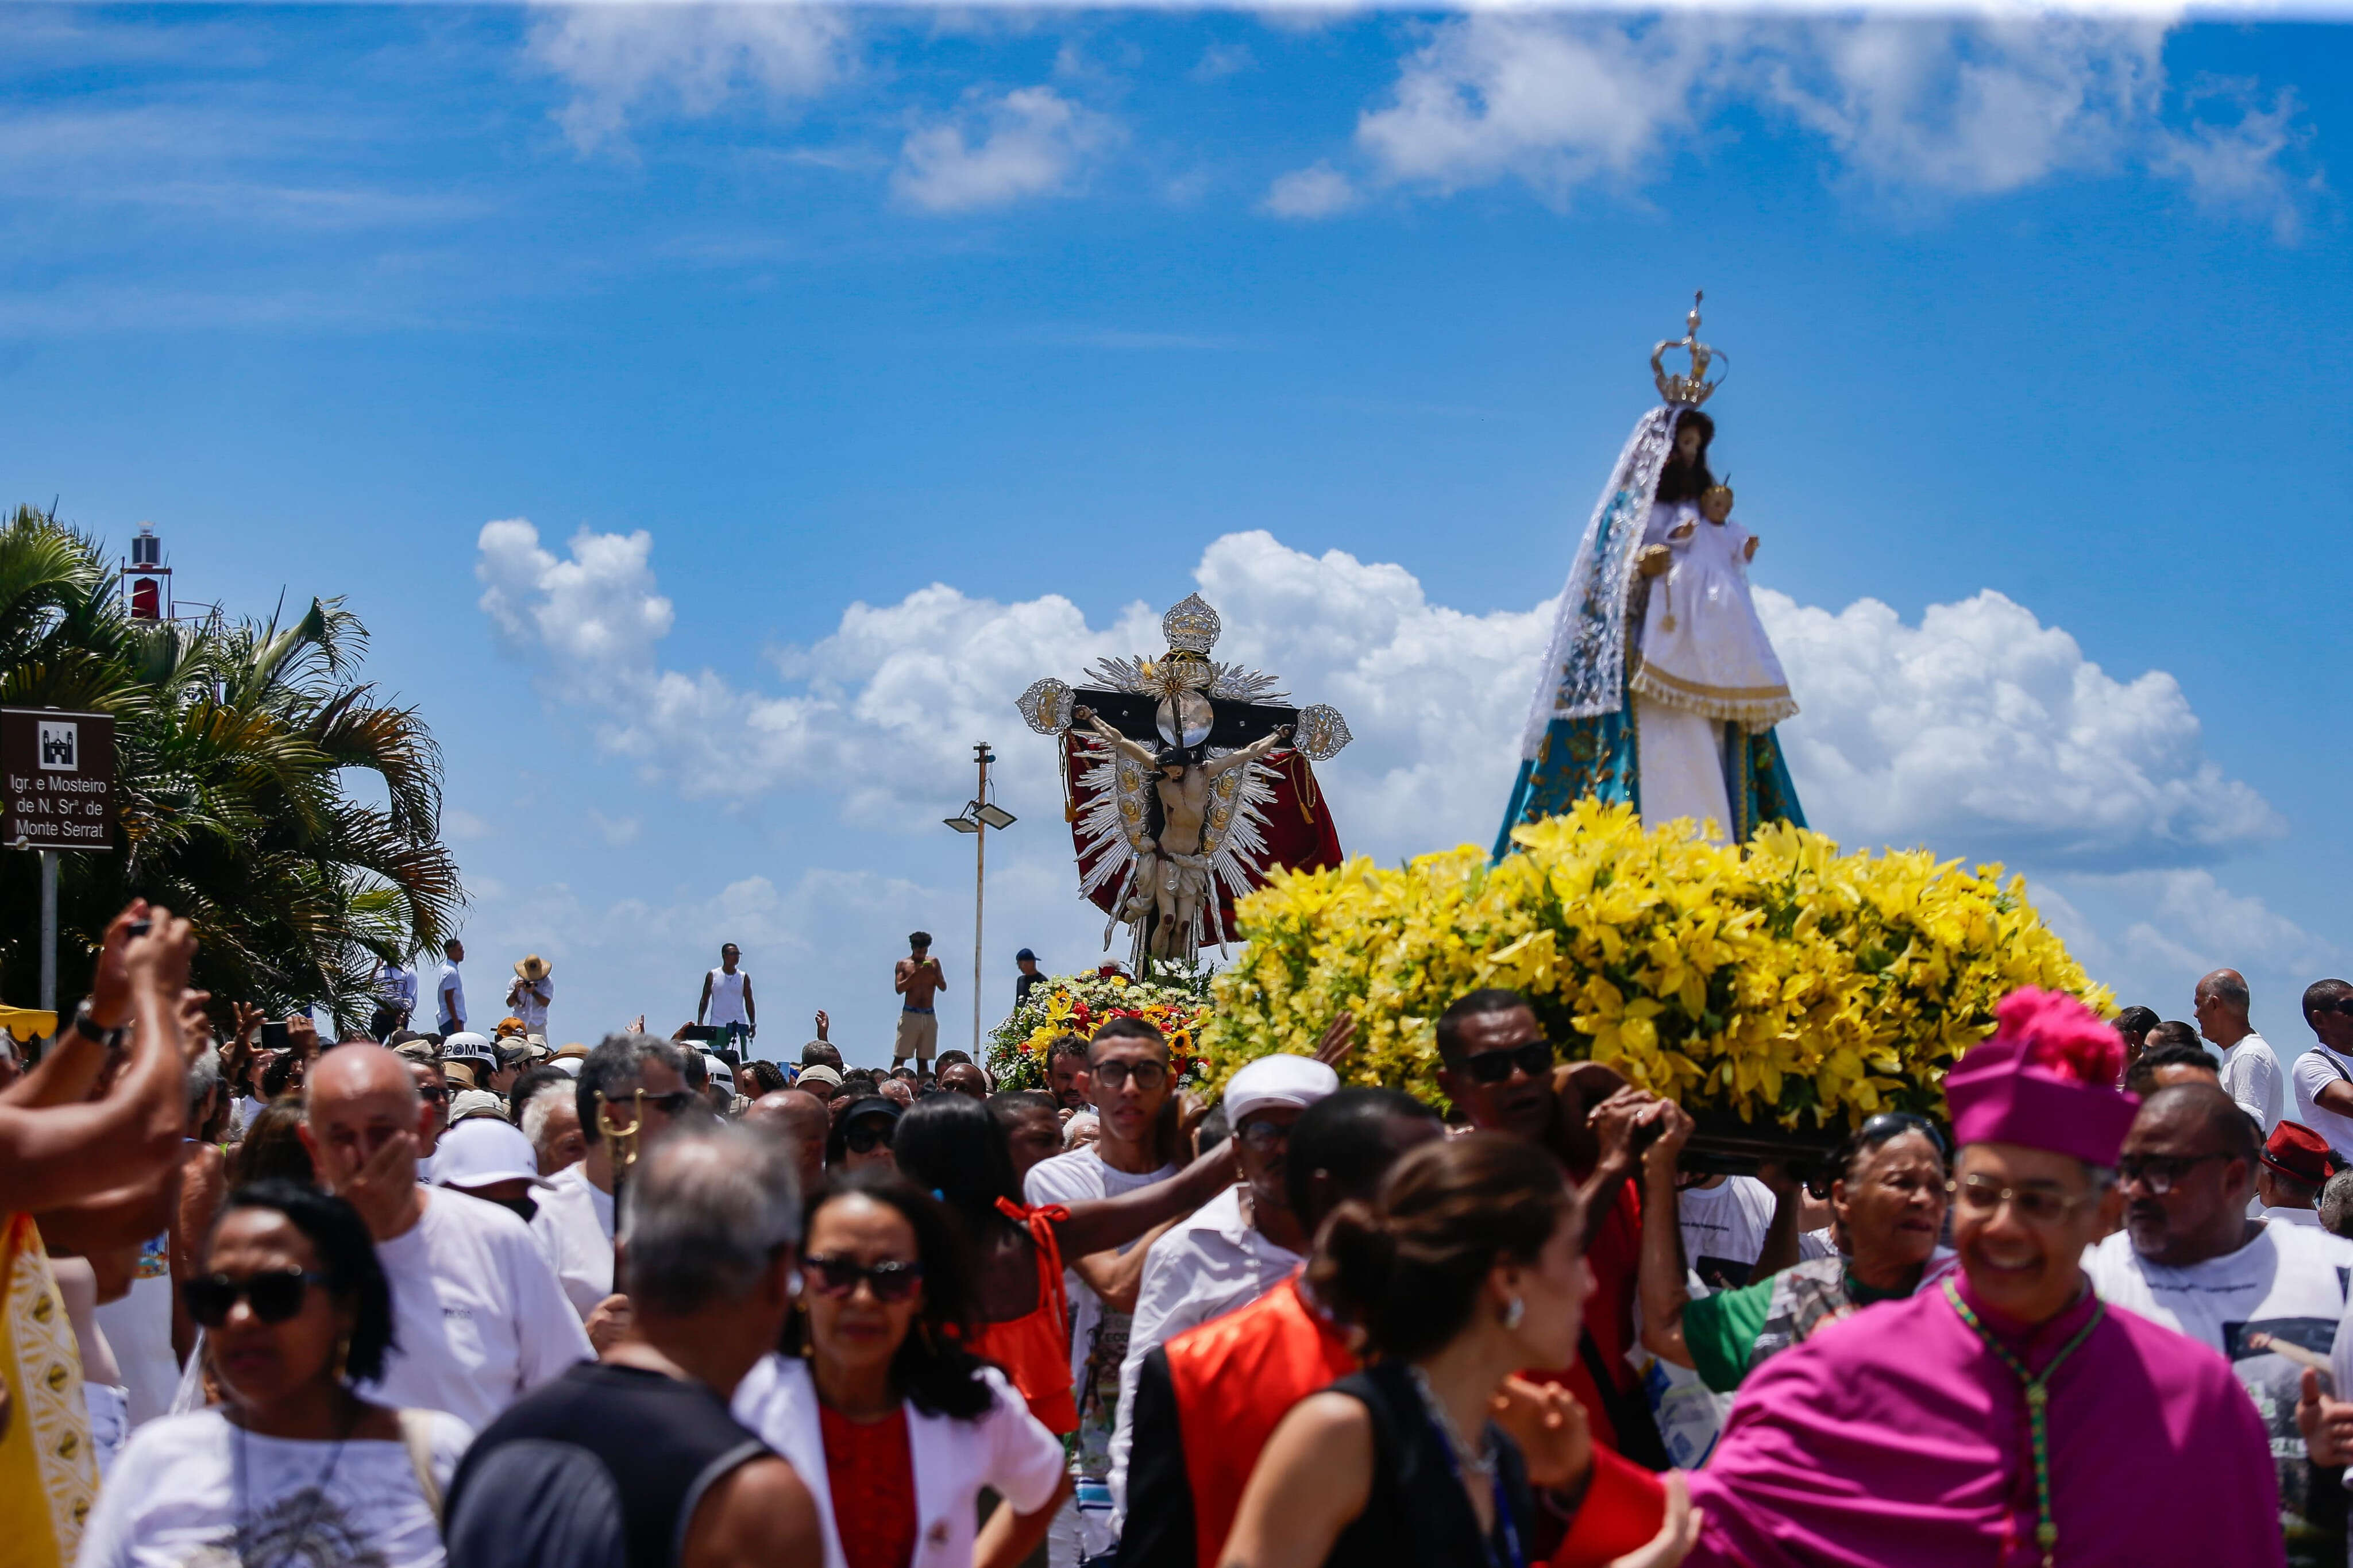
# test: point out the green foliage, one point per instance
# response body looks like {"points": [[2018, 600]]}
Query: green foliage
{"points": [[233, 739]]}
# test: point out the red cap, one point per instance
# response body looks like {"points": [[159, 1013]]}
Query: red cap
{"points": [[2300, 1154]]}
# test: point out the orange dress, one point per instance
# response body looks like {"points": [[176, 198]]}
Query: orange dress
{"points": [[1034, 1349]]}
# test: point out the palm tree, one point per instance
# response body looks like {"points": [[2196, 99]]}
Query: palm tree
{"points": [[233, 743]]}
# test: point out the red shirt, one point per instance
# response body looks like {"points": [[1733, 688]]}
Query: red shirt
{"points": [[870, 1471]]}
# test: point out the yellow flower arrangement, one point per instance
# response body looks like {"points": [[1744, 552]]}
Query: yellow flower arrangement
{"points": [[1789, 983], [1081, 1003]]}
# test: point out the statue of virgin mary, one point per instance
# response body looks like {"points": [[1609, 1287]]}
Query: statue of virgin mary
{"points": [[1660, 687]]}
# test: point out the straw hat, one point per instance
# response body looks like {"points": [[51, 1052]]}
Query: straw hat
{"points": [[534, 968]]}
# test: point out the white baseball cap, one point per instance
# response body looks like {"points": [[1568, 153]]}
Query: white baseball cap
{"points": [[718, 1070], [1294, 1081], [483, 1149], [467, 1046]]}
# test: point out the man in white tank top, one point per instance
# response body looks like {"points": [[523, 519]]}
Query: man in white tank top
{"points": [[727, 998]]}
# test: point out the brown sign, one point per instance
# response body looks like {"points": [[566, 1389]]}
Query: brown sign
{"points": [[57, 779]]}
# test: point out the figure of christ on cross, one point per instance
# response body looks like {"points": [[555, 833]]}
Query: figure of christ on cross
{"points": [[1178, 870]]}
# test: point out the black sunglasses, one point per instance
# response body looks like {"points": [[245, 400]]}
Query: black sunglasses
{"points": [[276, 1297], [1535, 1058], [861, 1139], [833, 1276], [1888, 1124]]}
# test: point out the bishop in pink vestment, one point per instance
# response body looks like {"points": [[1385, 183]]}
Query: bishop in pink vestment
{"points": [[1903, 1438]]}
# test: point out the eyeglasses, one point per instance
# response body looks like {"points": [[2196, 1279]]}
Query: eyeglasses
{"points": [[1148, 1076], [2036, 1205], [1535, 1058], [276, 1297], [2160, 1174], [861, 1139], [1263, 1136], [437, 1096], [890, 1280], [1888, 1124]]}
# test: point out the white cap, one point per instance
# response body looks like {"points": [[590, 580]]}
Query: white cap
{"points": [[483, 1149], [718, 1070], [1296, 1081], [569, 1065]]}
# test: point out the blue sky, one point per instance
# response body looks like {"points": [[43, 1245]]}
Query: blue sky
{"points": [[831, 374]]}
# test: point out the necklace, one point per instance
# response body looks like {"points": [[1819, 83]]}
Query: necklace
{"points": [[1478, 1462], [2036, 1386], [315, 1503]]}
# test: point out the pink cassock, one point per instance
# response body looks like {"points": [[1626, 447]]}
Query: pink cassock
{"points": [[1896, 1437]]}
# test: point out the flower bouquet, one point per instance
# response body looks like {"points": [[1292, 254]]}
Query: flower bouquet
{"points": [[1781, 989], [1081, 1003]]}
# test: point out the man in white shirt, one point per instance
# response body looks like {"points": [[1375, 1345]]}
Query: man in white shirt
{"points": [[532, 990], [2251, 1070], [1130, 1080], [1235, 1247], [727, 998], [575, 1221], [2267, 1295], [478, 1318], [2323, 1076], [395, 998], [450, 996]]}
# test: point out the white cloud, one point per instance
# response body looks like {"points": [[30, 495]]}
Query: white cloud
{"points": [[1982, 732], [1978, 731], [1032, 142], [1948, 107], [1318, 191], [688, 60]]}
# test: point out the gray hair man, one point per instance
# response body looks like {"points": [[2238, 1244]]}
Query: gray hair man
{"points": [[710, 1229], [623, 1077], [2251, 1068]]}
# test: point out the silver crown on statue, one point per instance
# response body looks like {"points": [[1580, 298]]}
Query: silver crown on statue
{"points": [[1691, 390], [1191, 627]]}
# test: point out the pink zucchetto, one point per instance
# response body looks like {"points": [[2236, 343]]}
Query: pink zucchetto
{"points": [[2045, 1080]]}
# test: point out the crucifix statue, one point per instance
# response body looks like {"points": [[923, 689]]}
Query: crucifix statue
{"points": [[1186, 781]]}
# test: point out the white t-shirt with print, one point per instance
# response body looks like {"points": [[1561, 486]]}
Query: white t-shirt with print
{"points": [[2272, 1308], [1723, 1228], [476, 1311], [575, 1227], [2312, 1072], [185, 1486]]}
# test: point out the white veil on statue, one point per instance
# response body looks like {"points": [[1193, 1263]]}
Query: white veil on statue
{"points": [[1584, 672]]}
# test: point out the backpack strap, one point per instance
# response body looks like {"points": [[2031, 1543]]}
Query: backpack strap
{"points": [[416, 1436]]}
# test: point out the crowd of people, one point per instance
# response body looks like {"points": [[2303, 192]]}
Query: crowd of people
{"points": [[409, 1299]]}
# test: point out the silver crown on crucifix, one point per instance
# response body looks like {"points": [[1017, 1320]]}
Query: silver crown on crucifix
{"points": [[1191, 627]]}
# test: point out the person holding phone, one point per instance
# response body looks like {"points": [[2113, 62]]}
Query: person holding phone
{"points": [[917, 978]]}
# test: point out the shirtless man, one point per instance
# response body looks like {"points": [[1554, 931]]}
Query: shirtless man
{"points": [[918, 978], [1178, 872]]}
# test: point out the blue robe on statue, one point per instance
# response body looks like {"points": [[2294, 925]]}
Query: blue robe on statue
{"points": [[1581, 737]]}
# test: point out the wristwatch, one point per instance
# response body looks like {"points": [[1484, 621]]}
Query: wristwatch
{"points": [[87, 1025]]}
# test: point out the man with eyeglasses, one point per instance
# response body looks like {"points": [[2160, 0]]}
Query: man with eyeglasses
{"points": [[574, 1222], [1498, 1068], [478, 1319], [1235, 1247], [2010, 1415], [1132, 1086], [2323, 1076], [2266, 1295]]}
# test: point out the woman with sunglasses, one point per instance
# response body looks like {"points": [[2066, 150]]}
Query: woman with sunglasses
{"points": [[862, 1136], [895, 1425], [1887, 1207], [294, 1467]]}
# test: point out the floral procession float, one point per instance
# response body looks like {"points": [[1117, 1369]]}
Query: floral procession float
{"points": [[1066, 1005], [1654, 889]]}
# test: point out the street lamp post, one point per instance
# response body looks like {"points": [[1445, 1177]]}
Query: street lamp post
{"points": [[980, 815]]}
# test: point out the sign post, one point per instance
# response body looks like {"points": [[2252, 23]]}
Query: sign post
{"points": [[56, 794]]}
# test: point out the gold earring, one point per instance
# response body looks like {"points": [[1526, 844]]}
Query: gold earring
{"points": [[343, 1355]]}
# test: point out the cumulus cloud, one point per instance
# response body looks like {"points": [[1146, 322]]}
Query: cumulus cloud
{"points": [[1982, 730], [2193, 925], [689, 60], [1032, 142], [1318, 191], [1960, 108], [1978, 731]]}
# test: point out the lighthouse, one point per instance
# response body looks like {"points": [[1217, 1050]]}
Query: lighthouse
{"points": [[146, 581]]}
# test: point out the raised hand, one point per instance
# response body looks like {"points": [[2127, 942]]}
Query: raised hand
{"points": [[1338, 1040], [823, 1024], [110, 988]]}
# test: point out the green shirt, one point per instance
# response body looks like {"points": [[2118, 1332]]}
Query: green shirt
{"points": [[1721, 1331]]}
